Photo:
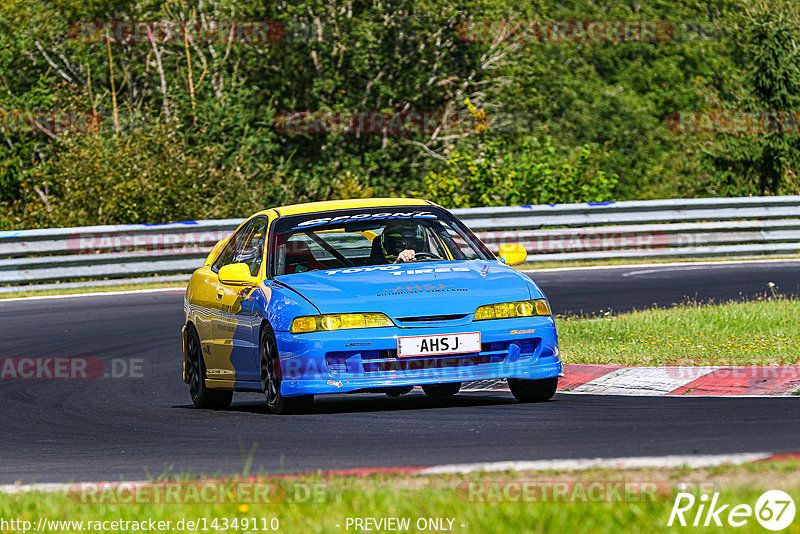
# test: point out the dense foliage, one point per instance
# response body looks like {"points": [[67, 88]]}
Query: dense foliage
{"points": [[99, 128]]}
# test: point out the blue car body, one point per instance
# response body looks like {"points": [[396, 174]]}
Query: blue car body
{"points": [[425, 298]]}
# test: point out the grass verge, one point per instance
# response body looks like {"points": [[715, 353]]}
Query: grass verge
{"points": [[760, 332], [95, 289], [510, 502]]}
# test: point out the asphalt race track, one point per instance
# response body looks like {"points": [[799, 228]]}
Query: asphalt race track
{"points": [[141, 424]]}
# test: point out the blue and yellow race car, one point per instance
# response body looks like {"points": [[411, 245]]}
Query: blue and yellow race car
{"points": [[370, 295]]}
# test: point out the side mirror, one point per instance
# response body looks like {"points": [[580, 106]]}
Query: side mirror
{"points": [[237, 274], [512, 253]]}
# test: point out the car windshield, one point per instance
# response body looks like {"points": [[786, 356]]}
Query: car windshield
{"points": [[370, 236]]}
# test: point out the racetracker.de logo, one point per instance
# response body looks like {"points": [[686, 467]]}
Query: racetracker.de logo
{"points": [[566, 31], [69, 368], [735, 122], [357, 122], [177, 32], [48, 122], [208, 491], [741, 374], [200, 242], [582, 240], [564, 491]]}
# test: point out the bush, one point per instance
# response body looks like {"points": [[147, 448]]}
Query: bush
{"points": [[499, 173], [144, 176]]}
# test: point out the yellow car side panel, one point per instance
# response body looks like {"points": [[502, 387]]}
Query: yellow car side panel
{"points": [[215, 308]]}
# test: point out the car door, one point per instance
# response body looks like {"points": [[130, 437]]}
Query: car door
{"points": [[217, 332], [237, 346]]}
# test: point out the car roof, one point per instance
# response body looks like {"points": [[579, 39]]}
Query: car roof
{"points": [[328, 205]]}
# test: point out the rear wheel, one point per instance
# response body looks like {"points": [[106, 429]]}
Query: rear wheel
{"points": [[538, 390], [202, 396], [441, 390], [271, 379]]}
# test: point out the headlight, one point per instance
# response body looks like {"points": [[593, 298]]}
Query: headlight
{"points": [[338, 321], [505, 310]]}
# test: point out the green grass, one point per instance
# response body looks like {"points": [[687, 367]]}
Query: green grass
{"points": [[760, 332], [95, 289], [335, 499]]}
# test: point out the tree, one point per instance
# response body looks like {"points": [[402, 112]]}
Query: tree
{"points": [[765, 161]]}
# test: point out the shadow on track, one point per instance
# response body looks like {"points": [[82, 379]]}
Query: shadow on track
{"points": [[360, 403]]}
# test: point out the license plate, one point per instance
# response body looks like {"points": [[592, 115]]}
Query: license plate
{"points": [[444, 344]]}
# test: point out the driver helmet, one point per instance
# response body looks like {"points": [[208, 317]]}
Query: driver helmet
{"points": [[399, 237]]}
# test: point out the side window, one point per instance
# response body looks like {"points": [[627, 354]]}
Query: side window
{"points": [[252, 253], [235, 244], [458, 246]]}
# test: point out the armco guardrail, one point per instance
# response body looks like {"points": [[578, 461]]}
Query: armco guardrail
{"points": [[104, 255]]}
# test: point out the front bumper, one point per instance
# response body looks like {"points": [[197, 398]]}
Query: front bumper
{"points": [[351, 360]]}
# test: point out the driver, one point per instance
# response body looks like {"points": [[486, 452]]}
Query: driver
{"points": [[401, 242]]}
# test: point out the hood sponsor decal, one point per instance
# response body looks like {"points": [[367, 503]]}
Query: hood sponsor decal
{"points": [[365, 269], [419, 288], [396, 270], [433, 270], [365, 217]]}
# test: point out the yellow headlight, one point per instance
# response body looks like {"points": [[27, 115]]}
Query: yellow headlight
{"points": [[542, 307], [523, 308], [330, 322], [304, 324], [339, 321]]}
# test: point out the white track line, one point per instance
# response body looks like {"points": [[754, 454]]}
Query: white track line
{"points": [[643, 462], [95, 294], [655, 265], [636, 462]]}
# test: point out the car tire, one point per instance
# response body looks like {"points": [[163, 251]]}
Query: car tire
{"points": [[202, 396], [538, 390], [270, 372], [438, 391]]}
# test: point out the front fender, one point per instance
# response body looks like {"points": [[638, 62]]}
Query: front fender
{"points": [[282, 305]]}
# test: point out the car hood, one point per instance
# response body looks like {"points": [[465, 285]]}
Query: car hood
{"points": [[411, 290]]}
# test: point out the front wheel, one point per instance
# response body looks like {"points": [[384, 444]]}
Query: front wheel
{"points": [[202, 396], [538, 390], [441, 390], [271, 379]]}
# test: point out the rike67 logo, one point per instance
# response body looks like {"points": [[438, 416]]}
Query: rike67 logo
{"points": [[774, 510]]}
